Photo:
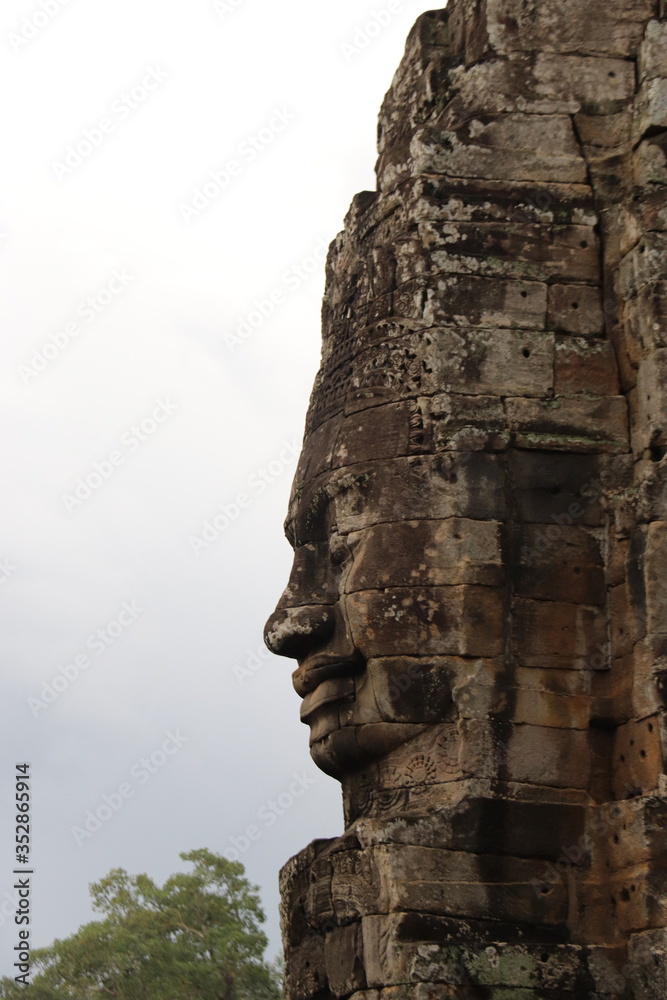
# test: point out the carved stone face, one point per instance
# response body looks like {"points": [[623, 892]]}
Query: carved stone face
{"points": [[429, 586], [397, 574]]}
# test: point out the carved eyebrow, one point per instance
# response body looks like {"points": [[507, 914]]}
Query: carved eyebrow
{"points": [[316, 507], [319, 503], [288, 528]]}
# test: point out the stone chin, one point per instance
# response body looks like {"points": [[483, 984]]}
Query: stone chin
{"points": [[339, 753], [351, 748]]}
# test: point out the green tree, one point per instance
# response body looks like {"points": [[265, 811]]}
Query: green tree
{"points": [[198, 937]]}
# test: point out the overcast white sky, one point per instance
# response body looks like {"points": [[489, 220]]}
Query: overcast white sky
{"points": [[130, 420]]}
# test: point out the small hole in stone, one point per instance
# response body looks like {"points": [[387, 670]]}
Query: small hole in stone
{"points": [[650, 727], [642, 754], [632, 743], [584, 244], [524, 295], [622, 758], [658, 452], [577, 571], [612, 75], [526, 352], [575, 305], [616, 840], [544, 958]]}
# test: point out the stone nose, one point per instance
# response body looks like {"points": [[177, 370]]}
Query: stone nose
{"points": [[295, 632]]}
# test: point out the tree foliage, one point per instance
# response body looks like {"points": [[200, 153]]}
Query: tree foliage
{"points": [[197, 937]]}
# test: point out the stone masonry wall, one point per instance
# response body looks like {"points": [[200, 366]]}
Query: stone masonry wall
{"points": [[495, 328]]}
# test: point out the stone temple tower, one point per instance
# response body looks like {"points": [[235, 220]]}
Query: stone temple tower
{"points": [[478, 604]]}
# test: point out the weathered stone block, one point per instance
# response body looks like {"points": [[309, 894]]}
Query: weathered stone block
{"points": [[408, 689], [575, 309], [317, 459], [604, 29], [630, 832], [638, 758], [655, 567], [354, 885], [644, 265], [443, 486], [518, 967], [570, 423], [461, 199], [650, 161], [487, 302], [445, 556], [649, 674], [344, 960], [534, 754], [484, 362], [305, 975], [623, 632], [516, 145], [653, 52], [578, 575], [585, 366], [651, 107], [380, 432], [639, 897], [445, 621], [645, 317], [468, 423], [601, 132], [546, 85], [650, 419], [546, 708], [551, 634], [513, 250], [647, 965], [558, 489]]}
